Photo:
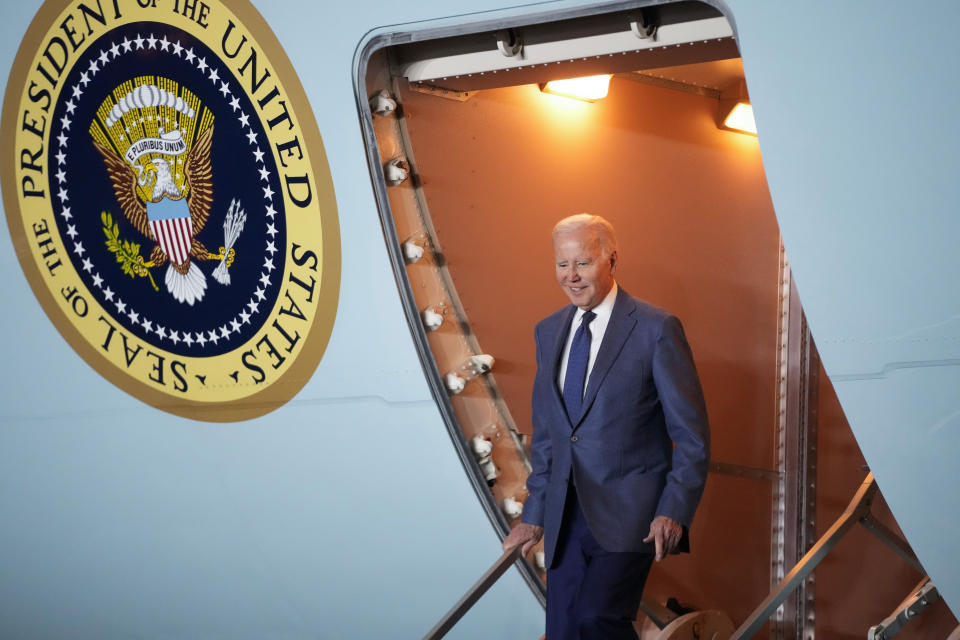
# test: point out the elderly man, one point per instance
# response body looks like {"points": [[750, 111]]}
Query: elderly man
{"points": [[620, 441]]}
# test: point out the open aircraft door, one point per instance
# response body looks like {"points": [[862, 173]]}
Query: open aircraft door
{"points": [[474, 158]]}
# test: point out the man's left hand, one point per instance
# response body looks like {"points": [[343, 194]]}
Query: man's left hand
{"points": [[665, 533]]}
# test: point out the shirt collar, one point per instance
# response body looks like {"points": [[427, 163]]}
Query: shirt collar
{"points": [[603, 310]]}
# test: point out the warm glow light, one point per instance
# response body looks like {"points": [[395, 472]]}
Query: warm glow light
{"points": [[589, 88], [741, 118]]}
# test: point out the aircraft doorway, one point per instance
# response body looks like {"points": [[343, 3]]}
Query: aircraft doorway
{"points": [[477, 163]]}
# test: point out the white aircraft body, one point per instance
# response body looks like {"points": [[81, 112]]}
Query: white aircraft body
{"points": [[338, 507]]}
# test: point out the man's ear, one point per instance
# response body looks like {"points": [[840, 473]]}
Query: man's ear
{"points": [[613, 260]]}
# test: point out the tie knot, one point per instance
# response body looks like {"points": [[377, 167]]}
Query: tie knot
{"points": [[587, 318]]}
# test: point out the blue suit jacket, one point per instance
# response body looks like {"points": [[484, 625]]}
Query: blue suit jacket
{"points": [[642, 397]]}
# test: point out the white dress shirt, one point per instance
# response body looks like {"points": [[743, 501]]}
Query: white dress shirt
{"points": [[597, 328]]}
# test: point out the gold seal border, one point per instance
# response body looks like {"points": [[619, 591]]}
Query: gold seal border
{"points": [[299, 372]]}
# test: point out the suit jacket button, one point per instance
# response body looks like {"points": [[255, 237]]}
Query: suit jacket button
{"points": [[574, 438]]}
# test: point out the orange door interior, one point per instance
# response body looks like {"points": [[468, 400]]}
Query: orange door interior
{"points": [[698, 236]]}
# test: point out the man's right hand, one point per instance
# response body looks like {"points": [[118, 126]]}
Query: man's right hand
{"points": [[523, 534]]}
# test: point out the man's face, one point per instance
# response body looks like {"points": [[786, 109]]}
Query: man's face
{"points": [[583, 273]]}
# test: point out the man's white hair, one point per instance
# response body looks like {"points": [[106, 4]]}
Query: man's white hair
{"points": [[604, 231]]}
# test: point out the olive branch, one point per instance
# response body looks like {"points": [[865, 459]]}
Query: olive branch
{"points": [[127, 253]]}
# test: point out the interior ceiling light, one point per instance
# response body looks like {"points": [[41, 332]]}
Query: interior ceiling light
{"points": [[740, 118], [589, 88]]}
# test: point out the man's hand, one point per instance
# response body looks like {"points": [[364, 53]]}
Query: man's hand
{"points": [[665, 533], [523, 534]]}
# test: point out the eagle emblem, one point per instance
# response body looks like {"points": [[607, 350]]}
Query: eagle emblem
{"points": [[137, 150], [163, 182]]}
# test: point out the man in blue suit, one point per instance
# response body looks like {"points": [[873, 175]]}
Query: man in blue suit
{"points": [[620, 441]]}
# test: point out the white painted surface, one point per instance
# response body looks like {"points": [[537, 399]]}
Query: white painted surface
{"points": [[321, 519]]}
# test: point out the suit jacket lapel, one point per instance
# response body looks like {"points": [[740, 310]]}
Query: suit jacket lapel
{"points": [[555, 356], [618, 329]]}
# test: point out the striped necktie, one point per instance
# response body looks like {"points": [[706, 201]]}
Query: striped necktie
{"points": [[577, 362]]}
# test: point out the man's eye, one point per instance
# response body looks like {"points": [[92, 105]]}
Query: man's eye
{"points": [[583, 264]]}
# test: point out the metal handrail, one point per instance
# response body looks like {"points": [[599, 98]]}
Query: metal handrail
{"points": [[857, 512], [473, 594]]}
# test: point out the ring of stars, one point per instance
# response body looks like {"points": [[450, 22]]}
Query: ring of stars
{"points": [[140, 320]]}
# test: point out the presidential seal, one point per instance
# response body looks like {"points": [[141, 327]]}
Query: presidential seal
{"points": [[170, 201]]}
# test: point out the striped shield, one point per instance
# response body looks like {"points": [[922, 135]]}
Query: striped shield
{"points": [[172, 227]]}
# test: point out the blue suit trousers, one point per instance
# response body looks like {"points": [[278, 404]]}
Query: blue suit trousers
{"points": [[592, 594]]}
